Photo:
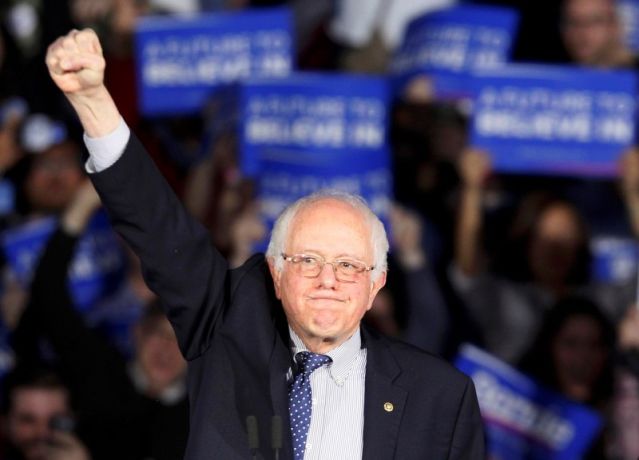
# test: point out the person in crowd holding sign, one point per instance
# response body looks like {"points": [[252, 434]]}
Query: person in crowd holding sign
{"points": [[573, 352], [548, 258], [281, 333], [134, 409], [592, 35]]}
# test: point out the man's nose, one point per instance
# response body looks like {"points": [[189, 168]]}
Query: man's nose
{"points": [[327, 275]]}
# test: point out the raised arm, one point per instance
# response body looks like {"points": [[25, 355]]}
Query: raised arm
{"points": [[178, 261], [629, 182], [474, 167]]}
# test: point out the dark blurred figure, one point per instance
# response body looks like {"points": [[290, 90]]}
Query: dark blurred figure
{"points": [[544, 257], [625, 445], [548, 245], [130, 410], [37, 417], [53, 178], [592, 35], [427, 140], [573, 354], [50, 170]]}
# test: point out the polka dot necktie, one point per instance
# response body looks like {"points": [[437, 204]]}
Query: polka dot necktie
{"points": [[299, 398]]}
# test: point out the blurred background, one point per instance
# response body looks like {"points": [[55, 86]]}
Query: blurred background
{"points": [[496, 140]]}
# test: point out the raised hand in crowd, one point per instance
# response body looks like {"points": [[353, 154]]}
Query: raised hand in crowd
{"points": [[474, 167], [90, 11], [66, 446], [74, 220], [246, 231], [629, 184], [628, 330], [10, 151], [77, 215], [406, 236], [426, 310]]}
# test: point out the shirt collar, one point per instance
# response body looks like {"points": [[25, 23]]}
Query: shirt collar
{"points": [[343, 356]]}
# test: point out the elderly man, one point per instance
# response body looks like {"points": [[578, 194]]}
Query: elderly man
{"points": [[281, 335]]}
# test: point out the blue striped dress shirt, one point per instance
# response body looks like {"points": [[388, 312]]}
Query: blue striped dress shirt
{"points": [[337, 418]]}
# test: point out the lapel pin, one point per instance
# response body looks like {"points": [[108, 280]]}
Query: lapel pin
{"points": [[388, 407]]}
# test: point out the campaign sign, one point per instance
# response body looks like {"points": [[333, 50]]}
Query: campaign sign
{"points": [[97, 267], [7, 197], [305, 132], [448, 44], [554, 119], [307, 115], [628, 13], [522, 419], [614, 259], [286, 176], [180, 60]]}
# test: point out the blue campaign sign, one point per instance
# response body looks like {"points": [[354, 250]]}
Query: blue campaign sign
{"points": [[628, 13], [522, 419], [614, 259], [7, 197], [306, 132], [312, 115], [448, 44], [285, 177], [97, 267], [553, 119], [181, 60]]}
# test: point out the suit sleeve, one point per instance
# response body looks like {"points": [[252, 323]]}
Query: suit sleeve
{"points": [[468, 438], [178, 261]]}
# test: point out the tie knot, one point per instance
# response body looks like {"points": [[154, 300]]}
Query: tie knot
{"points": [[307, 361]]}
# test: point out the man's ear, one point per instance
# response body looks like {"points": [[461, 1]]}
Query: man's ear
{"points": [[276, 275], [375, 287]]}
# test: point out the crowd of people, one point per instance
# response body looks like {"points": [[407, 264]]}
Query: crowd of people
{"points": [[501, 261]]}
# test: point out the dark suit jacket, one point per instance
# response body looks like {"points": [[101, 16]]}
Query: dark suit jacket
{"points": [[233, 332]]}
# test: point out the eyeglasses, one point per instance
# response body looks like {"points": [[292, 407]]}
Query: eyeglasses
{"points": [[311, 265]]}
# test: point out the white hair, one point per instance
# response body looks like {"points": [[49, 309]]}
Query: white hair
{"points": [[280, 232]]}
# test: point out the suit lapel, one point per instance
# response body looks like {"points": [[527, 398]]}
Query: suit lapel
{"points": [[384, 400], [279, 366]]}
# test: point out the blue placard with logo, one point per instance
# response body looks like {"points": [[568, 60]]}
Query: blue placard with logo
{"points": [[181, 60], [7, 197], [553, 119], [309, 131], [313, 115], [522, 419], [614, 259], [628, 13], [285, 177], [448, 44], [97, 267]]}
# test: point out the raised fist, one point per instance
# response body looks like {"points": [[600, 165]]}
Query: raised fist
{"points": [[76, 64]]}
